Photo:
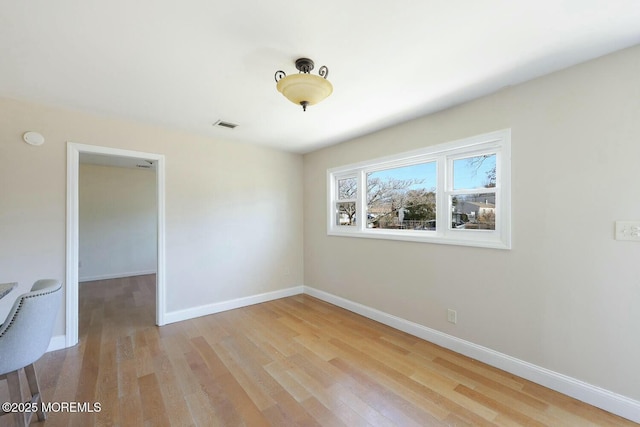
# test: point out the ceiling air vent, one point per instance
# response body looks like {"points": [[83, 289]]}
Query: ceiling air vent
{"points": [[224, 124]]}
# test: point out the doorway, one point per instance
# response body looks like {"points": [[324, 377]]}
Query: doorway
{"points": [[114, 157]]}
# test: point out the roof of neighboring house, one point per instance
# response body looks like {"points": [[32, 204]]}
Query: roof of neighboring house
{"points": [[483, 205], [382, 208]]}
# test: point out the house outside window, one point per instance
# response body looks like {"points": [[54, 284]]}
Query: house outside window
{"points": [[452, 193]]}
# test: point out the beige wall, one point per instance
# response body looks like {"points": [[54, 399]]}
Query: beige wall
{"points": [[117, 222], [566, 296], [233, 211]]}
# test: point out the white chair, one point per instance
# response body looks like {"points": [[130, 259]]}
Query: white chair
{"points": [[24, 338]]}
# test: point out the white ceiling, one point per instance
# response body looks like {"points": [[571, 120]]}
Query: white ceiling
{"points": [[185, 64]]}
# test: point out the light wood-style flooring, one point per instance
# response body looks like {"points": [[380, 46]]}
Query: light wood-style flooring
{"points": [[294, 361]]}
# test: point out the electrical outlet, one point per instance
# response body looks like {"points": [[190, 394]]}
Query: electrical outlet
{"points": [[452, 316]]}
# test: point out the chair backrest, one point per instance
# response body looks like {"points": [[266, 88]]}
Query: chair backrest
{"points": [[27, 330]]}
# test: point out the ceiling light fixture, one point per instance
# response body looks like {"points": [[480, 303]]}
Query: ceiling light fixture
{"points": [[304, 88]]}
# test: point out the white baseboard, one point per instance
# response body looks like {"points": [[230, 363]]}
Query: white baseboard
{"points": [[593, 395], [114, 276], [57, 342], [204, 310]]}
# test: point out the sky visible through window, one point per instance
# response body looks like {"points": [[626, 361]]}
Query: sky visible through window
{"points": [[422, 171], [468, 173], [473, 172]]}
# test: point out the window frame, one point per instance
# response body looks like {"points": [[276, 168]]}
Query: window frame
{"points": [[498, 143]]}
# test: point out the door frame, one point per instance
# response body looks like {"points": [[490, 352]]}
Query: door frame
{"points": [[73, 166]]}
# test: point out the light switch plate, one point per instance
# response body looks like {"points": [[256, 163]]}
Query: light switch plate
{"points": [[628, 230]]}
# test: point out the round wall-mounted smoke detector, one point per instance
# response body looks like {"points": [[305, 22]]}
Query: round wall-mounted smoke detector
{"points": [[33, 138]]}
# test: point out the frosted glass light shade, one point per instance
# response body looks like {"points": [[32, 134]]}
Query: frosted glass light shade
{"points": [[301, 88]]}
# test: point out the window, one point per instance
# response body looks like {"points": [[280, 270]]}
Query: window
{"points": [[452, 193], [402, 198], [346, 201]]}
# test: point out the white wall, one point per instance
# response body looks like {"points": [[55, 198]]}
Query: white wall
{"points": [[233, 212], [566, 296], [117, 222]]}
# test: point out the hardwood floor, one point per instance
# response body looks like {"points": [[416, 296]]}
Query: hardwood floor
{"points": [[294, 361]]}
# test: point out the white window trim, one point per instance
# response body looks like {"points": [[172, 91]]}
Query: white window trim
{"points": [[498, 142]]}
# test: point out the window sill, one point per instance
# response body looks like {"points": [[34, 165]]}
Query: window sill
{"points": [[471, 238]]}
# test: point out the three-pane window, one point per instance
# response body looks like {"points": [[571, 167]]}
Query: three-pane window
{"points": [[454, 193]]}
